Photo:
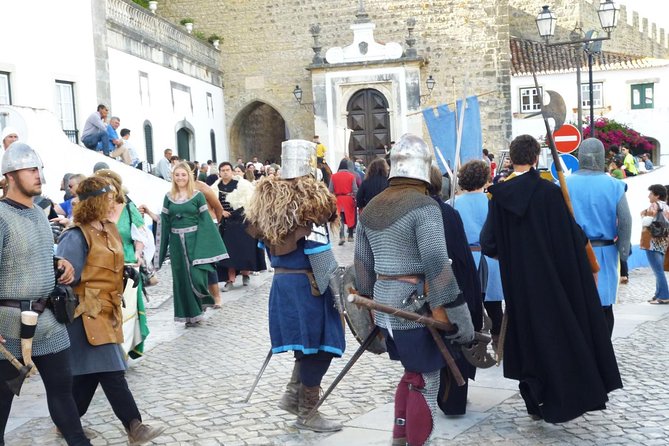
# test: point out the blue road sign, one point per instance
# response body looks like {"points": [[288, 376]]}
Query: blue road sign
{"points": [[569, 165]]}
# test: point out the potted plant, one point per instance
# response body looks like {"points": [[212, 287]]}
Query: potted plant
{"points": [[153, 5], [215, 40], [188, 23]]}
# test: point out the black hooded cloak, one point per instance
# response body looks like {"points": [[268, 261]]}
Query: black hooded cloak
{"points": [[557, 342]]}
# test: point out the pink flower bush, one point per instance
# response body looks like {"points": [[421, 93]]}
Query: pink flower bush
{"points": [[610, 132]]}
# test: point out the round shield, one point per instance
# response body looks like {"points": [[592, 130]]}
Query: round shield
{"points": [[359, 320]]}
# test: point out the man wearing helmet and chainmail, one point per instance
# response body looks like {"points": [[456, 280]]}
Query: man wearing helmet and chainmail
{"points": [[601, 209], [290, 216], [27, 265], [400, 255]]}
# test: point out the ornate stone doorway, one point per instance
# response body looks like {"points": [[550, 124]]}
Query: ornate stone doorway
{"points": [[257, 130], [369, 120]]}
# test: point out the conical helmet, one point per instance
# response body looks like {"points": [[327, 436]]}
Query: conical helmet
{"points": [[298, 158], [19, 156], [410, 157]]}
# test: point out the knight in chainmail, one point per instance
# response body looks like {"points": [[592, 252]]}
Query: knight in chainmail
{"points": [[601, 209], [290, 216], [27, 265], [400, 254]]}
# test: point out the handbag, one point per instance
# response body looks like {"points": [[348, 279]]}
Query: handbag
{"points": [[63, 302], [659, 227]]}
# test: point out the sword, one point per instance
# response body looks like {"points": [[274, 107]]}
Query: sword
{"points": [[262, 370], [366, 343]]}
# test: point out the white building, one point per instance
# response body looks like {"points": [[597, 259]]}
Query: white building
{"points": [[164, 84], [631, 90]]}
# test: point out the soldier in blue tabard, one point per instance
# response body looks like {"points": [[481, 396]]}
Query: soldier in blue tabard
{"points": [[601, 209], [290, 216]]}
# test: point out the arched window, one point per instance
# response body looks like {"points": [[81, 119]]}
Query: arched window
{"points": [[212, 138], [148, 141]]}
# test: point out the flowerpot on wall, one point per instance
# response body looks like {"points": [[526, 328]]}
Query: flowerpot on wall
{"points": [[216, 43], [153, 5], [189, 27]]}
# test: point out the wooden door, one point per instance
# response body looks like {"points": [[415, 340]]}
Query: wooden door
{"points": [[369, 119]]}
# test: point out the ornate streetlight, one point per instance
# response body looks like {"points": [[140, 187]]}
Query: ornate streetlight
{"points": [[608, 19]]}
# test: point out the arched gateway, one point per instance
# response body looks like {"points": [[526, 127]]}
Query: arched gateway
{"points": [[257, 130]]}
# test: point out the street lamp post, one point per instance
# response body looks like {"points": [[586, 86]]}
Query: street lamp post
{"points": [[608, 19]]}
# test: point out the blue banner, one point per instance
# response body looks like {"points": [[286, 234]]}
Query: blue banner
{"points": [[443, 128]]}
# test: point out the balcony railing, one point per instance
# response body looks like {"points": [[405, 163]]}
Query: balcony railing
{"points": [[72, 135]]}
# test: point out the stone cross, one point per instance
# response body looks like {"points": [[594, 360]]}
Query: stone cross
{"points": [[361, 15]]}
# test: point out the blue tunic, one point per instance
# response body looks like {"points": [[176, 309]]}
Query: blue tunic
{"points": [[473, 209], [595, 198], [298, 320]]}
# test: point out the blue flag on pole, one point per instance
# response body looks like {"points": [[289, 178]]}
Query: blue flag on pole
{"points": [[443, 128]]}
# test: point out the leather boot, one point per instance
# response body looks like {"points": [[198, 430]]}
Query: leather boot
{"points": [[288, 401], [308, 398], [140, 433]]}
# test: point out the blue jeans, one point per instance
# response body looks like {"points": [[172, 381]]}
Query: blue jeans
{"points": [[94, 139], [656, 261]]}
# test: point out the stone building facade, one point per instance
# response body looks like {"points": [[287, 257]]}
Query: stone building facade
{"points": [[463, 44]]}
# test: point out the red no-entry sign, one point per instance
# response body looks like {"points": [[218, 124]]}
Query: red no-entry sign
{"points": [[567, 138]]}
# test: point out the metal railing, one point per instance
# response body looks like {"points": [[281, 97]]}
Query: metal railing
{"points": [[72, 135]]}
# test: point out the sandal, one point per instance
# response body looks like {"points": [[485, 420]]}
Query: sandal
{"points": [[660, 302]]}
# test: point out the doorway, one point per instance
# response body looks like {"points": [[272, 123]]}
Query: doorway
{"points": [[258, 130], [183, 143]]}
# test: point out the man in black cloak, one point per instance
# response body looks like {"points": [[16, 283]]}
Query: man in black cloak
{"points": [[557, 343], [467, 275]]}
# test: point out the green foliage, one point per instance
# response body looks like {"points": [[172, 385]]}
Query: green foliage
{"points": [[187, 20], [142, 3], [214, 37], [200, 35]]}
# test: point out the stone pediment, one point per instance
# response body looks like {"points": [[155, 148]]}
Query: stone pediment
{"points": [[364, 48]]}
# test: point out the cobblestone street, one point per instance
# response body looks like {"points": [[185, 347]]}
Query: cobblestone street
{"points": [[194, 382]]}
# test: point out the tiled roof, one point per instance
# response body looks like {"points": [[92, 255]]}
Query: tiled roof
{"points": [[564, 59]]}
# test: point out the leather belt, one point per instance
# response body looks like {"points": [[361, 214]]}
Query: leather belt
{"points": [[411, 278], [474, 248], [37, 306], [599, 243], [291, 271]]}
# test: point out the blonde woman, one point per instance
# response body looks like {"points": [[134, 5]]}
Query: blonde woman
{"points": [[194, 243]]}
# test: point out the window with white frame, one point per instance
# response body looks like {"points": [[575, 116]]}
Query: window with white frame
{"points": [[210, 105], [597, 95], [5, 91], [65, 109], [144, 97], [529, 100], [182, 102]]}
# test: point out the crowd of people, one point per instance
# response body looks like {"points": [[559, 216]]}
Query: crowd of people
{"points": [[500, 245]]}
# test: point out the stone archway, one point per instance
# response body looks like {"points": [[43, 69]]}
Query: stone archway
{"points": [[258, 130]]}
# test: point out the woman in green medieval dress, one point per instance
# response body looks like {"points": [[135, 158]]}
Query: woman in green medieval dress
{"points": [[194, 244]]}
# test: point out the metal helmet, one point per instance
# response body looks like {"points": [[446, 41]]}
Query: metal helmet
{"points": [[410, 157], [19, 156], [298, 158], [591, 155]]}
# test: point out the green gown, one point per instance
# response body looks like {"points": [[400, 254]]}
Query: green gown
{"points": [[195, 245], [130, 216]]}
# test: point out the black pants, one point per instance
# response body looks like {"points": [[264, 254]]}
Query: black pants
{"points": [[608, 314], [494, 310], [313, 367], [116, 389], [342, 217], [57, 378]]}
